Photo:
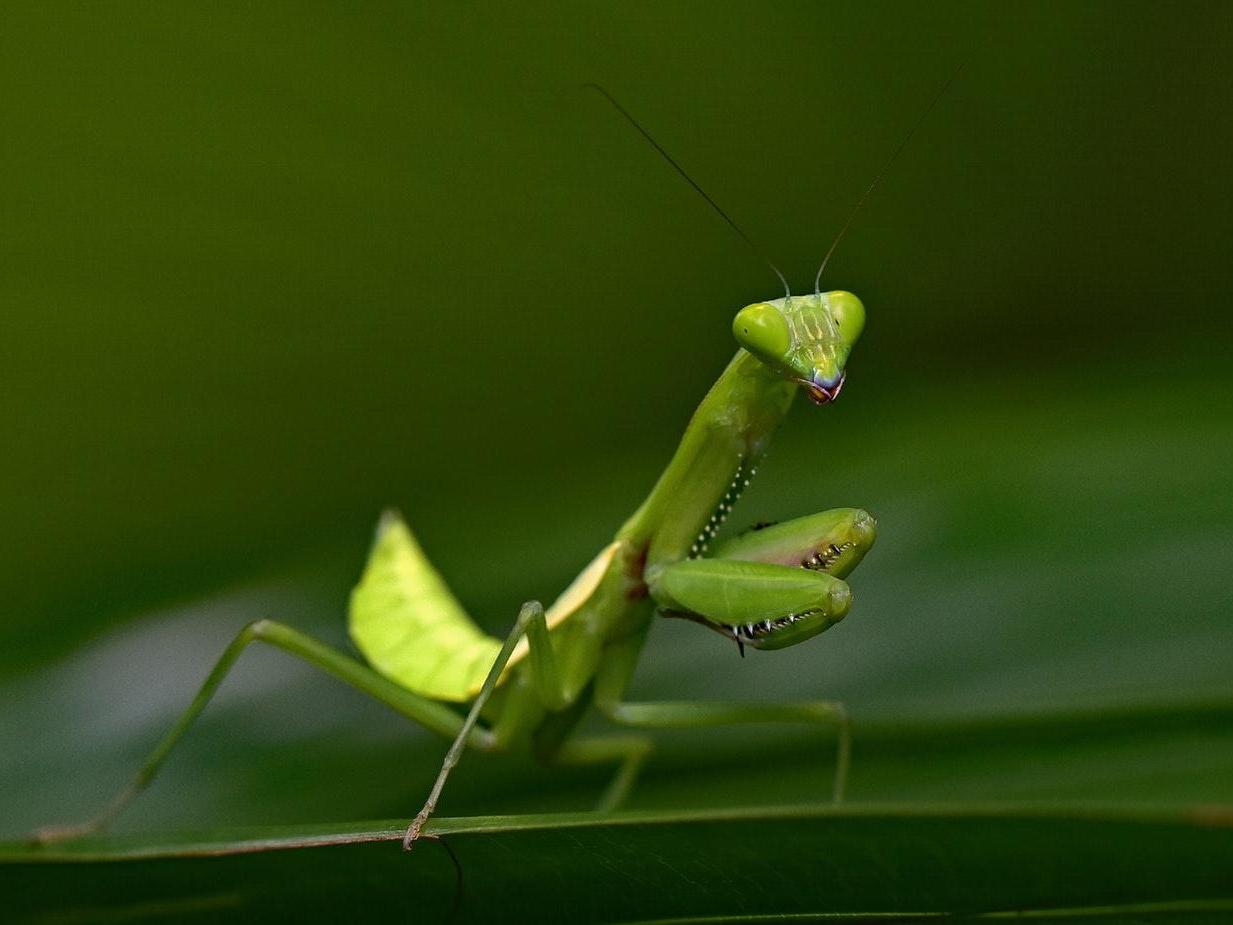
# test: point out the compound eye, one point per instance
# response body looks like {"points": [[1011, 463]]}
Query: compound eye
{"points": [[763, 331], [848, 314]]}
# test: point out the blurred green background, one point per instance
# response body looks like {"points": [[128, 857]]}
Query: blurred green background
{"points": [[267, 269]]}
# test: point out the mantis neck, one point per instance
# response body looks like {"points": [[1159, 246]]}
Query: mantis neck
{"points": [[722, 445]]}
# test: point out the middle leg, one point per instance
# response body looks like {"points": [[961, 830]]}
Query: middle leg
{"points": [[549, 691], [628, 752]]}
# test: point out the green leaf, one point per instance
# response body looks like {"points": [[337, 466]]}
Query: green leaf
{"points": [[862, 861]]}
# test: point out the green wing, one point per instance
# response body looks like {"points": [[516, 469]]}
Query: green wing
{"points": [[412, 629], [408, 624]]}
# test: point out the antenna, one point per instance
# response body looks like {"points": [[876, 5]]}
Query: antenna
{"points": [[692, 182], [817, 280]]}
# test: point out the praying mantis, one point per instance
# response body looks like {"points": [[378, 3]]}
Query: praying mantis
{"points": [[769, 588]]}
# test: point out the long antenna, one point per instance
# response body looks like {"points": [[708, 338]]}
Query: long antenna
{"points": [[692, 182], [817, 280]]}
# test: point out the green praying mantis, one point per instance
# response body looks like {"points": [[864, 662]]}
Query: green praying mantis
{"points": [[768, 588]]}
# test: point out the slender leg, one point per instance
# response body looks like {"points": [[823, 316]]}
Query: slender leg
{"points": [[618, 667], [548, 689], [687, 715], [630, 751], [428, 713]]}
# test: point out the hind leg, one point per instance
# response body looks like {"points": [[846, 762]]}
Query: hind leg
{"points": [[428, 713]]}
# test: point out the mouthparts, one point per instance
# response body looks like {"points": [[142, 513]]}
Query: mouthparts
{"points": [[821, 393]]}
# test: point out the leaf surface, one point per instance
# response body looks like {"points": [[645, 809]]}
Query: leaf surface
{"points": [[732, 866]]}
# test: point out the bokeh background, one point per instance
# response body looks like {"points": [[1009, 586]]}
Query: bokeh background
{"points": [[267, 269]]}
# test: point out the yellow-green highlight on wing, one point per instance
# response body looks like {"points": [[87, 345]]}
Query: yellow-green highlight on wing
{"points": [[410, 626]]}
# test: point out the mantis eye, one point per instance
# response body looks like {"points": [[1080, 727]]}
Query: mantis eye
{"points": [[763, 331], [848, 314]]}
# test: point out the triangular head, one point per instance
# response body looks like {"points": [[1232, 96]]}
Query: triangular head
{"points": [[806, 339]]}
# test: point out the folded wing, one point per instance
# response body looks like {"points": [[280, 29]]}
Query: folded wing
{"points": [[408, 624]]}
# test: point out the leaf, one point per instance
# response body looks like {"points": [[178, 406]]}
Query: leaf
{"points": [[877, 859]]}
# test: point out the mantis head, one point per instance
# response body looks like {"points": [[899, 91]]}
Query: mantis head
{"points": [[806, 339]]}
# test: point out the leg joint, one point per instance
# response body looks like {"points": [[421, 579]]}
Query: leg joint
{"points": [[829, 711], [607, 708], [259, 629], [529, 611]]}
